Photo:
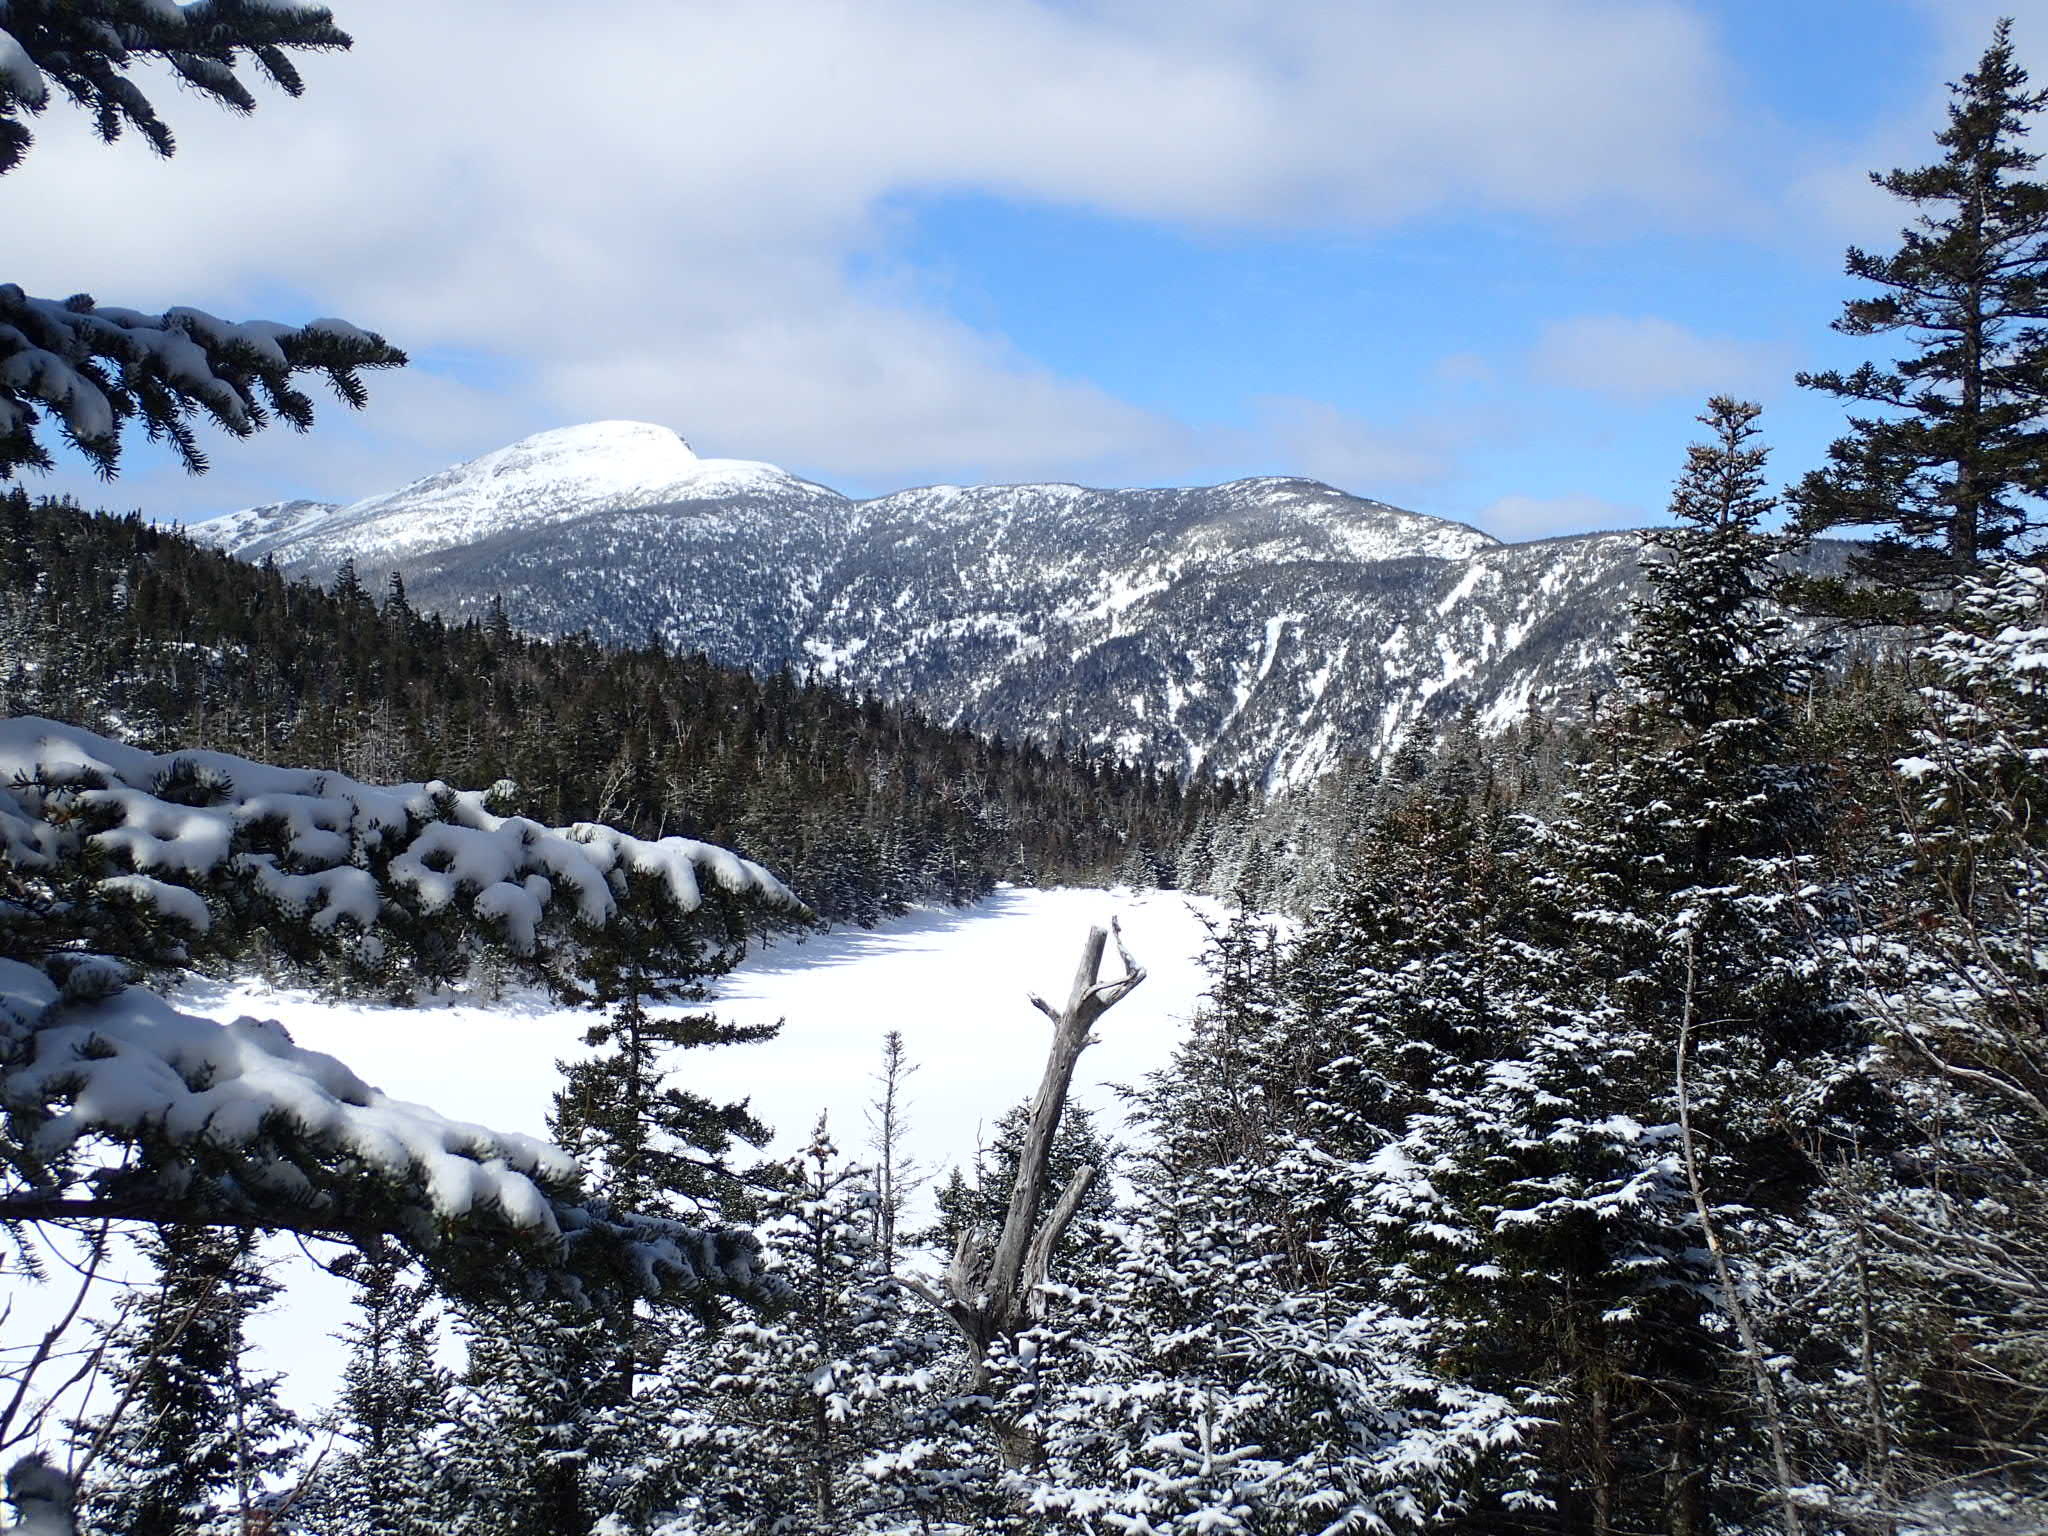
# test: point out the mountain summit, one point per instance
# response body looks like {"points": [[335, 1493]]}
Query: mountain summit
{"points": [[1266, 626], [551, 477]]}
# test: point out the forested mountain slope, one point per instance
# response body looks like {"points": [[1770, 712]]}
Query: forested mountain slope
{"points": [[1265, 628], [137, 631]]}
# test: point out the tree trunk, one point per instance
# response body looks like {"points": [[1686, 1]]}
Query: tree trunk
{"points": [[1688, 1497], [994, 1300]]}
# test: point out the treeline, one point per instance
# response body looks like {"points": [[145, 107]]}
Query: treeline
{"points": [[133, 629]]}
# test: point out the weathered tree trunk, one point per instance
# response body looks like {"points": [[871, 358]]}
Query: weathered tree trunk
{"points": [[1600, 1456], [1790, 1520], [991, 1295]]}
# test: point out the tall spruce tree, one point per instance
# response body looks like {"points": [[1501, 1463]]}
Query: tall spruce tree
{"points": [[192, 1433], [393, 1410], [1953, 465], [527, 1430], [1689, 852]]}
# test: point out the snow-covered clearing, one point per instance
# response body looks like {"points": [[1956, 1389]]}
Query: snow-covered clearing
{"points": [[955, 982]]}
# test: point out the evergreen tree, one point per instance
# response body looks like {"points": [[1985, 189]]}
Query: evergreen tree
{"points": [[1686, 861], [653, 1146], [361, 885], [561, 1427], [1222, 1390], [393, 1409], [897, 1176], [1953, 468], [193, 1434], [1233, 1091], [527, 1434], [1937, 1242], [828, 1415]]}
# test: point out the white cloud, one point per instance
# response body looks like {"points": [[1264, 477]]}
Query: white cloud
{"points": [[1516, 518], [1833, 199], [1645, 357], [1368, 457], [651, 209]]}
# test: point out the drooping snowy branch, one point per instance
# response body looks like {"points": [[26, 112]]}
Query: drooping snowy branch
{"points": [[118, 1104], [238, 1125], [86, 48], [88, 371], [94, 370], [358, 878]]}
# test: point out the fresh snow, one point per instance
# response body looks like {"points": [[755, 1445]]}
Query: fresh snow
{"points": [[134, 1060], [19, 76], [1026, 609], [273, 522], [551, 477], [444, 843], [954, 981]]}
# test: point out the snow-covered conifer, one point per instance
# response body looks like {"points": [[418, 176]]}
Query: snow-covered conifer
{"points": [[829, 1414], [387, 1478], [519, 1456], [191, 1434], [1226, 1390], [1934, 1267], [974, 1200], [1682, 877]]}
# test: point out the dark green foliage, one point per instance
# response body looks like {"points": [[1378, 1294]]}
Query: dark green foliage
{"points": [[86, 50], [192, 1435], [1954, 461], [860, 807], [96, 371], [833, 1413], [1451, 1100], [651, 1145], [530, 1422], [395, 1405]]}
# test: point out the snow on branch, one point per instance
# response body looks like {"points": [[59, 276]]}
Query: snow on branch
{"points": [[86, 48], [198, 836], [93, 370], [119, 1105], [241, 1126], [89, 372]]}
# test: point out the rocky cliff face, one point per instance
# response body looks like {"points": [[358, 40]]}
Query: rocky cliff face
{"points": [[1264, 627]]}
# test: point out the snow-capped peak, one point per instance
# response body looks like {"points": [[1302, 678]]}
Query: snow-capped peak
{"points": [[548, 478], [596, 457]]}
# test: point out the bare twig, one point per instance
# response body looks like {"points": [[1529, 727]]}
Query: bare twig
{"points": [[47, 1345]]}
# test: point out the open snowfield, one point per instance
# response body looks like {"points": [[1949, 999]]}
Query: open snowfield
{"points": [[955, 982]]}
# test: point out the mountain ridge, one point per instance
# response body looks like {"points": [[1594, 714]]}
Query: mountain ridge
{"points": [[1267, 626]]}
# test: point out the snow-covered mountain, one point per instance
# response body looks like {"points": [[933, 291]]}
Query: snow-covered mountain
{"points": [[1266, 626]]}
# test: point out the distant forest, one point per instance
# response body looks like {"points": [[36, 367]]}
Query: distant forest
{"points": [[863, 807]]}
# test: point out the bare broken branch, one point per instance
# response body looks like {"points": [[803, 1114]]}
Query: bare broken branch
{"points": [[1038, 1258], [994, 1296]]}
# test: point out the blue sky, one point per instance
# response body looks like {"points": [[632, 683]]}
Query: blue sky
{"points": [[1485, 259]]}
